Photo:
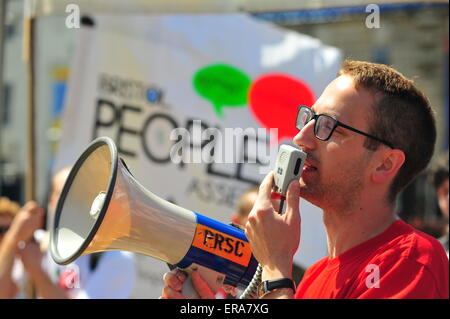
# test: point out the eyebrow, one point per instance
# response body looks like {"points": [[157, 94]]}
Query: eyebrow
{"points": [[326, 113]]}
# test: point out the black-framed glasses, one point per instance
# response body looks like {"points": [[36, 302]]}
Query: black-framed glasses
{"points": [[326, 124]]}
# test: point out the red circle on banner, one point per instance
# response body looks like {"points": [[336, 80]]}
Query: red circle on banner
{"points": [[274, 100]]}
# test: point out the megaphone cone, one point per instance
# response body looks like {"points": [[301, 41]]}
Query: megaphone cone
{"points": [[103, 207]]}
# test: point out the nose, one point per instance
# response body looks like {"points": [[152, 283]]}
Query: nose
{"points": [[305, 137]]}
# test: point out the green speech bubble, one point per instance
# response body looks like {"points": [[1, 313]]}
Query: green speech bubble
{"points": [[222, 85]]}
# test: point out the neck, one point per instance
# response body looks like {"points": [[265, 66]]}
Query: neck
{"points": [[351, 227]]}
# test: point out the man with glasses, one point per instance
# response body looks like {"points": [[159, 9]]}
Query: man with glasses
{"points": [[367, 136]]}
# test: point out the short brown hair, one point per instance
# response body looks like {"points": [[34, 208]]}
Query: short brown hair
{"points": [[401, 115], [8, 207]]}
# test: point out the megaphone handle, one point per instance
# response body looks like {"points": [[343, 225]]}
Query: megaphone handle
{"points": [[213, 278], [188, 290]]}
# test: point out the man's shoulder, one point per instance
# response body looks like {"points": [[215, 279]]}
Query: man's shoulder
{"points": [[426, 250], [417, 243], [413, 245]]}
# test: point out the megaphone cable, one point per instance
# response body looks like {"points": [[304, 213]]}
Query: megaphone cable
{"points": [[252, 288]]}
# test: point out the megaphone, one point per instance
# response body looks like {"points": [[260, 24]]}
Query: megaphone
{"points": [[103, 207]]}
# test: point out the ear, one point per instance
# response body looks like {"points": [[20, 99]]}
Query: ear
{"points": [[388, 165]]}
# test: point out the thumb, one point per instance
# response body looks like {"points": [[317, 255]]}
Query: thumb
{"points": [[293, 201]]}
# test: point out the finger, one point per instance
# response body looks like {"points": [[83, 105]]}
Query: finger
{"points": [[174, 279], [39, 215], [293, 201], [202, 287], [169, 293], [230, 290], [35, 210], [35, 218], [40, 211], [265, 189], [248, 230], [31, 210], [30, 206], [181, 275], [275, 204]]}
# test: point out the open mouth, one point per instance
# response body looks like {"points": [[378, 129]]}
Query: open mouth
{"points": [[309, 167]]}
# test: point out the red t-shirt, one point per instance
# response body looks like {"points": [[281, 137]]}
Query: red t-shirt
{"points": [[401, 262]]}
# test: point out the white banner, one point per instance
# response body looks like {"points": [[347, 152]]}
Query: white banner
{"points": [[136, 79]]}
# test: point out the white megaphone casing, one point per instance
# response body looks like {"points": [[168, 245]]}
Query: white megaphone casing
{"points": [[103, 207]]}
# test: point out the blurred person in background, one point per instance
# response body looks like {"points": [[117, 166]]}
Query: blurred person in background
{"points": [[105, 275], [17, 226], [244, 206], [439, 179]]}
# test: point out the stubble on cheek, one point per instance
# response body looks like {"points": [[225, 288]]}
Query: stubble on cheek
{"points": [[340, 193]]}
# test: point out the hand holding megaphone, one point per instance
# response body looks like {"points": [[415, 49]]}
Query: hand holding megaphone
{"points": [[284, 182], [103, 207], [179, 285]]}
